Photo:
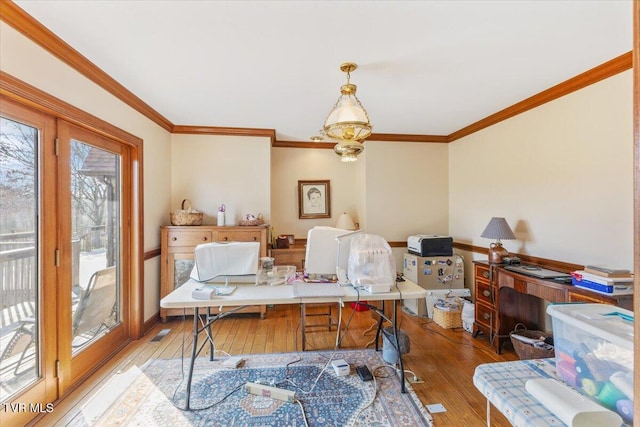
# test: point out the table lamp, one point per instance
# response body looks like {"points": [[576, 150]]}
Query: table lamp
{"points": [[497, 229], [345, 222]]}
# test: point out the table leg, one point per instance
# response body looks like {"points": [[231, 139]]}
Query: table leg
{"points": [[212, 347], [403, 388], [488, 413], [379, 330], [193, 357], [303, 324]]}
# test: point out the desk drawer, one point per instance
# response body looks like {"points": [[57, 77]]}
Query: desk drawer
{"points": [[188, 238], [482, 272], [483, 292], [485, 315]]}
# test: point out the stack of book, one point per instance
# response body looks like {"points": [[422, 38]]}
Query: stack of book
{"points": [[604, 280]]}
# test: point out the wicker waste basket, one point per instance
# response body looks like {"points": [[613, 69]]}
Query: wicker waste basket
{"points": [[448, 314], [531, 344], [186, 216]]}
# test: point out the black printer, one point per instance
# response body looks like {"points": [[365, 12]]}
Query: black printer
{"points": [[430, 245]]}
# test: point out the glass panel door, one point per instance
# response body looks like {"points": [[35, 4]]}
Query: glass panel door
{"points": [[27, 261], [93, 321], [19, 248]]}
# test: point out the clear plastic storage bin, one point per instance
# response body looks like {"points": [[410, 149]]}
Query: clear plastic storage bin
{"points": [[594, 352]]}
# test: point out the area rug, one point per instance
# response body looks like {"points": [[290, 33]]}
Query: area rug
{"points": [[155, 393]]}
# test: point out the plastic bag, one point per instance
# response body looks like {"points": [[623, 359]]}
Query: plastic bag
{"points": [[371, 261]]}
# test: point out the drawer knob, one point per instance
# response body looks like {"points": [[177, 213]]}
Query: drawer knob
{"points": [[486, 293], [255, 238], [485, 274], [204, 238], [225, 239], [174, 238], [486, 316]]}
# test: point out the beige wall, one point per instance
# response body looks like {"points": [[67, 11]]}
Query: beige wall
{"points": [[289, 165], [25, 60], [212, 170], [561, 174]]}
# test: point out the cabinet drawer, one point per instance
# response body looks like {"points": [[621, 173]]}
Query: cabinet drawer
{"points": [[188, 238], [238, 236], [483, 292], [482, 271], [484, 315]]}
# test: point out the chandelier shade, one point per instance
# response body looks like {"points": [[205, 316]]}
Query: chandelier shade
{"points": [[348, 121]]}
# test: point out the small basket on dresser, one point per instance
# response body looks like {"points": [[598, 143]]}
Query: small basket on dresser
{"points": [[186, 216]]}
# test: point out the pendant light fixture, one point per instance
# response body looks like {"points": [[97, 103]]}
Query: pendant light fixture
{"points": [[348, 121]]}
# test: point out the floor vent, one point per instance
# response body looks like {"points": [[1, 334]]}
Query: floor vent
{"points": [[160, 335]]}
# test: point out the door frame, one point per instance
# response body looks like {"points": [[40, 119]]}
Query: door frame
{"points": [[29, 97]]}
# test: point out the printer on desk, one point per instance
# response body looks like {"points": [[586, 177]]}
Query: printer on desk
{"points": [[426, 245]]}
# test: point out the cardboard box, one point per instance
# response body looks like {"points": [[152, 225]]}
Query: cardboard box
{"points": [[594, 352]]}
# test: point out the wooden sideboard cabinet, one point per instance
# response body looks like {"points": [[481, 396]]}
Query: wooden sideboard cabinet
{"points": [[177, 244], [293, 255], [505, 298]]}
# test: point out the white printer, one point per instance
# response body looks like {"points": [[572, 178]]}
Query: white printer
{"points": [[427, 245]]}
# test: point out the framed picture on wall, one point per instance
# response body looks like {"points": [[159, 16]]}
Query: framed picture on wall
{"points": [[314, 199]]}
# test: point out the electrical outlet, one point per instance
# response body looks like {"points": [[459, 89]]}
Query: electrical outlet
{"points": [[415, 380]]}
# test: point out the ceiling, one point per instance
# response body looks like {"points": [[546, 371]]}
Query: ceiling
{"points": [[424, 67]]}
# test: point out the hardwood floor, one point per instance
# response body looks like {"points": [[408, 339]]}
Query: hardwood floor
{"points": [[444, 359]]}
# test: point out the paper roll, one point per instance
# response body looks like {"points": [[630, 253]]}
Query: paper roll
{"points": [[220, 219], [569, 406]]}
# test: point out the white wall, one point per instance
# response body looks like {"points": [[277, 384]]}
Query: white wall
{"points": [[28, 62], [561, 175], [211, 170]]}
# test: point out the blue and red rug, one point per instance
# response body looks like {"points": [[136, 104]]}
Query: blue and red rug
{"points": [[154, 396]]}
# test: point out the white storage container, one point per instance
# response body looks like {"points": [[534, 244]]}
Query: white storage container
{"points": [[594, 352]]}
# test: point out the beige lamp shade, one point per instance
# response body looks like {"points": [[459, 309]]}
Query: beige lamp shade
{"points": [[345, 222]]}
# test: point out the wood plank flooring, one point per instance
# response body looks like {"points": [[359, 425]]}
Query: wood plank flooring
{"points": [[443, 359]]}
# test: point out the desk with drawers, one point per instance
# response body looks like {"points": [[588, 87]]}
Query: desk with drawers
{"points": [[505, 298]]}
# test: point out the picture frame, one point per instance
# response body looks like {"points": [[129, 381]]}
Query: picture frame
{"points": [[314, 199], [291, 238]]}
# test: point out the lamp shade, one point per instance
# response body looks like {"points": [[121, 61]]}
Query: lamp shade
{"points": [[345, 222], [498, 229]]}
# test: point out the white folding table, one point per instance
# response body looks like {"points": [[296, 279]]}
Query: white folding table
{"points": [[249, 294]]}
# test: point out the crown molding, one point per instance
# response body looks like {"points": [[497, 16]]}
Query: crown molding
{"points": [[402, 137], [303, 144], [17, 18], [217, 130], [11, 14], [594, 75]]}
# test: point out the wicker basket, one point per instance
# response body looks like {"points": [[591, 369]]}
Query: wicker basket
{"points": [[186, 216], [528, 351], [251, 222], [447, 319]]}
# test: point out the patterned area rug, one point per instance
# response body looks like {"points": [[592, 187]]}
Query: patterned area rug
{"points": [[154, 396]]}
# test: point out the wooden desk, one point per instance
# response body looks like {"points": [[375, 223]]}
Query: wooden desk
{"points": [[505, 298]]}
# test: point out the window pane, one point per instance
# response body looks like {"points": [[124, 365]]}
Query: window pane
{"points": [[95, 202], [19, 257]]}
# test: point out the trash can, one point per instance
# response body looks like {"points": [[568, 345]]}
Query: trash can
{"points": [[389, 351]]}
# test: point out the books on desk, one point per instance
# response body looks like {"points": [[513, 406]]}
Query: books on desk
{"points": [[604, 285]]}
